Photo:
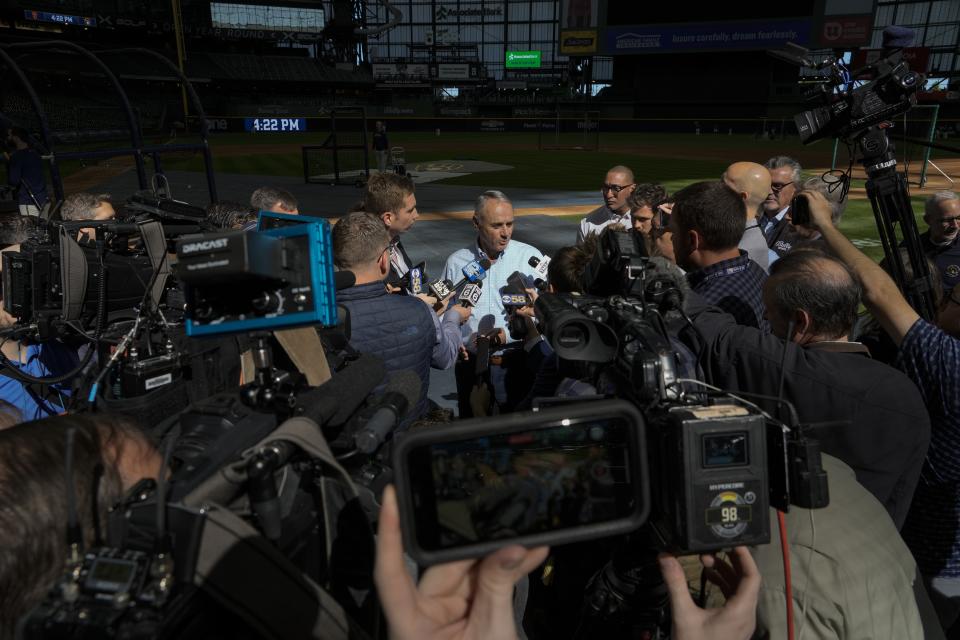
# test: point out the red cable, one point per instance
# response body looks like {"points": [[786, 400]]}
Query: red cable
{"points": [[785, 546]]}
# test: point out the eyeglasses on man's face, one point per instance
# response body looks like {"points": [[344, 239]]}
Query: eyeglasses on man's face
{"points": [[614, 188], [777, 187]]}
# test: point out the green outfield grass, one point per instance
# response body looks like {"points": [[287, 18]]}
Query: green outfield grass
{"points": [[674, 160]]}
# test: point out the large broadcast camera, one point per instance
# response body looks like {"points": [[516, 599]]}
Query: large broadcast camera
{"points": [[273, 486], [861, 116], [657, 456]]}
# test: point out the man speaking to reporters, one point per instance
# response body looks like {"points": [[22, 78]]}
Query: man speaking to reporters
{"points": [[493, 220]]}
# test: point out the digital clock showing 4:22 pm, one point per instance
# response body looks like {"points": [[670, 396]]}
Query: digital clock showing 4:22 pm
{"points": [[282, 125]]}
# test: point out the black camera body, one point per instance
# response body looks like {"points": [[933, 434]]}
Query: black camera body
{"points": [[709, 477], [891, 92], [108, 589]]}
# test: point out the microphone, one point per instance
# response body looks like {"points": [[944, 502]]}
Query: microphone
{"points": [[539, 266], [411, 281], [343, 280], [415, 277], [473, 272], [470, 295], [402, 392], [666, 286], [333, 402], [514, 294]]}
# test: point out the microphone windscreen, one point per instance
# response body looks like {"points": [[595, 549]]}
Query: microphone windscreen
{"points": [[407, 384], [344, 280], [333, 402], [485, 263], [895, 37]]}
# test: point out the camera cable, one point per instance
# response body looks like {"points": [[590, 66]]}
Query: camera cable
{"points": [[788, 588]]}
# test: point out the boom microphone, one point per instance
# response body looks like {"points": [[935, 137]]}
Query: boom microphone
{"points": [[337, 399], [665, 284], [403, 391]]}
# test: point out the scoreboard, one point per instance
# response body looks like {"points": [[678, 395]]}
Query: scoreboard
{"points": [[285, 125]]}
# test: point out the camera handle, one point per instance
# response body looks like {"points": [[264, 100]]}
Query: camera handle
{"points": [[271, 389], [887, 192]]}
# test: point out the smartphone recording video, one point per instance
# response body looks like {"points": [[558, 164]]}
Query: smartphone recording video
{"points": [[552, 477]]}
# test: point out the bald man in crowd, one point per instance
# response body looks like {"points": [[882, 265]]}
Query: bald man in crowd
{"points": [[752, 182], [616, 189]]}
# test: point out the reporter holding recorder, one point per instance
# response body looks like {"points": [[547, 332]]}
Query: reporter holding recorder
{"points": [[930, 356]]}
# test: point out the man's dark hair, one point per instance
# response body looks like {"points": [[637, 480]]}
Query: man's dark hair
{"points": [[265, 197], [568, 263], [16, 229], [647, 195], [229, 215], [821, 285], [713, 209], [33, 502], [386, 191]]}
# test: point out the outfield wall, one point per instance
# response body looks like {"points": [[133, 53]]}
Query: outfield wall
{"points": [[467, 123]]}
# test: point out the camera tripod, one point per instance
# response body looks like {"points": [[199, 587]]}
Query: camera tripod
{"points": [[890, 201]]}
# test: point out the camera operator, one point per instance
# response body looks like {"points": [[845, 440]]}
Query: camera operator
{"points": [[25, 172], [873, 416], [930, 357], [785, 173], [274, 199], [941, 241], [46, 359], [87, 206], [752, 182], [617, 187], [474, 598], [493, 220], [230, 215], [33, 498], [402, 330], [707, 221]]}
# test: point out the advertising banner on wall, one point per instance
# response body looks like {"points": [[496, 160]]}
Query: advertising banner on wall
{"points": [[716, 36], [453, 71], [578, 42]]}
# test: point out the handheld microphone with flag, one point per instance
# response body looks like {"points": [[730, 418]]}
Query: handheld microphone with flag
{"points": [[473, 272], [540, 267], [471, 293], [514, 294]]}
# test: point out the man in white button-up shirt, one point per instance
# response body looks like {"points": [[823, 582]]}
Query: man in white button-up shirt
{"points": [[493, 220], [616, 189]]}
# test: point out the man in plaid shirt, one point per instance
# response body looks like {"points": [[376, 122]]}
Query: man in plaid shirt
{"points": [[929, 354], [707, 222]]}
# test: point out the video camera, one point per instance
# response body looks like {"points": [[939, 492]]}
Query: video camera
{"points": [[704, 467], [256, 487], [54, 279], [850, 110]]}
